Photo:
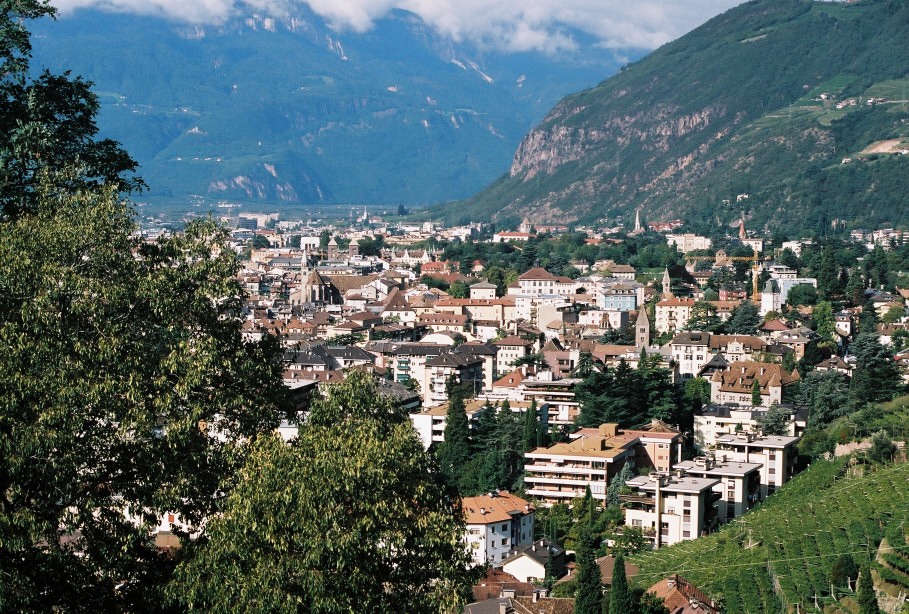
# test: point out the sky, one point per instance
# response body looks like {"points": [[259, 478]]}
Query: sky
{"points": [[510, 25]]}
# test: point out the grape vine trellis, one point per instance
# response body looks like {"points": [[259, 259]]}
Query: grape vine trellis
{"points": [[781, 554]]}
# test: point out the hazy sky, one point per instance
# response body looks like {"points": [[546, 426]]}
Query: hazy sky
{"points": [[517, 25]]}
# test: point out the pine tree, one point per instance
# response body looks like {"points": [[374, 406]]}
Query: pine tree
{"points": [[876, 376], [620, 599], [756, 393]]}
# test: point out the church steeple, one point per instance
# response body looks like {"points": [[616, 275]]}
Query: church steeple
{"points": [[642, 329], [667, 284]]}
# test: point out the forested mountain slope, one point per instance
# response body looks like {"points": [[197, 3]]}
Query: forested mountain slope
{"points": [[800, 105]]}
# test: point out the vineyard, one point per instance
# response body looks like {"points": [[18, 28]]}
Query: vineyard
{"points": [[780, 555]]}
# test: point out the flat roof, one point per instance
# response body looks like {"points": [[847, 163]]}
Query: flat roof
{"points": [[727, 468]]}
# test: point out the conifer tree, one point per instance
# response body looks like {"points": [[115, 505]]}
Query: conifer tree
{"points": [[756, 393], [531, 427], [620, 598], [454, 452], [589, 593], [867, 598]]}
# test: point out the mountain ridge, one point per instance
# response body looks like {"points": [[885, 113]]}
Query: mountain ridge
{"points": [[288, 110], [732, 108]]}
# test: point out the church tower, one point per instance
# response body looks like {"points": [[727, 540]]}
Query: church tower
{"points": [[642, 329], [667, 284]]}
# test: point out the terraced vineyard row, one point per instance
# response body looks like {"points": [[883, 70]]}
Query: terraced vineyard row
{"points": [[781, 553]]}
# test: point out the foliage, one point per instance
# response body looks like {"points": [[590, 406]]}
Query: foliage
{"points": [[454, 452], [825, 394], [775, 421], [867, 598], [117, 357], [844, 571], [589, 591], [48, 125], [882, 448], [744, 319], [353, 502], [802, 294], [618, 482], [628, 397], [620, 599], [876, 377]]}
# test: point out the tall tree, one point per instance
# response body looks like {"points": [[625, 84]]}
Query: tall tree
{"points": [[744, 319], [620, 599], [531, 427], [876, 376], [589, 594], [454, 452], [348, 517], [126, 392], [867, 598], [47, 124]]}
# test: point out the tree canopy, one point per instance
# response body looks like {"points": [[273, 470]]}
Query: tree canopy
{"points": [[350, 516]]}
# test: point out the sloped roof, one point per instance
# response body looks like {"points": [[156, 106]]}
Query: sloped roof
{"points": [[537, 273], [493, 507]]}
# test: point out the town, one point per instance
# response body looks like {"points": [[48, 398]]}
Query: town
{"points": [[662, 382]]}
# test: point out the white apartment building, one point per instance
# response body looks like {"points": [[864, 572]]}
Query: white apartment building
{"points": [[739, 484], [563, 471], [688, 242], [670, 508], [497, 523], [775, 453]]}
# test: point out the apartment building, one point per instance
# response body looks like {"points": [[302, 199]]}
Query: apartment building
{"points": [[671, 508], [739, 484], [497, 523], [563, 471], [775, 453]]}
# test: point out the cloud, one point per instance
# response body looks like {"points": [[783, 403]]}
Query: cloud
{"points": [[513, 25]]}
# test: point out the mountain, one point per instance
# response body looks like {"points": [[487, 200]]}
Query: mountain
{"points": [[790, 113], [288, 110]]}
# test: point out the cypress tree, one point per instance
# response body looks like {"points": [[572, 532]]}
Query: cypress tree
{"points": [[867, 599], [756, 393], [589, 595], [619, 594], [455, 450], [531, 436]]}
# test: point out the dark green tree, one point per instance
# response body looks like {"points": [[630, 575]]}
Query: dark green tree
{"points": [[868, 318], [531, 427], [128, 393], [744, 319], [47, 125], [454, 452], [867, 598], [826, 395], [876, 377], [756, 393], [620, 599], [802, 294], [775, 421], [844, 572], [589, 594], [882, 448], [353, 502]]}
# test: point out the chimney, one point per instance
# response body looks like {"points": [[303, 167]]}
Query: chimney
{"points": [[483, 510], [508, 593], [503, 607]]}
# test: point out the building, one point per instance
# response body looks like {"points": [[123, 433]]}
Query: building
{"points": [[563, 471], [459, 366], [775, 453], [739, 484], [529, 563], [511, 348], [483, 290], [715, 420], [671, 508], [688, 242], [497, 523], [672, 314], [736, 385]]}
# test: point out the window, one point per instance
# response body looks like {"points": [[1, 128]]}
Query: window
{"points": [[771, 470], [687, 503], [505, 542], [686, 533], [504, 527]]}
